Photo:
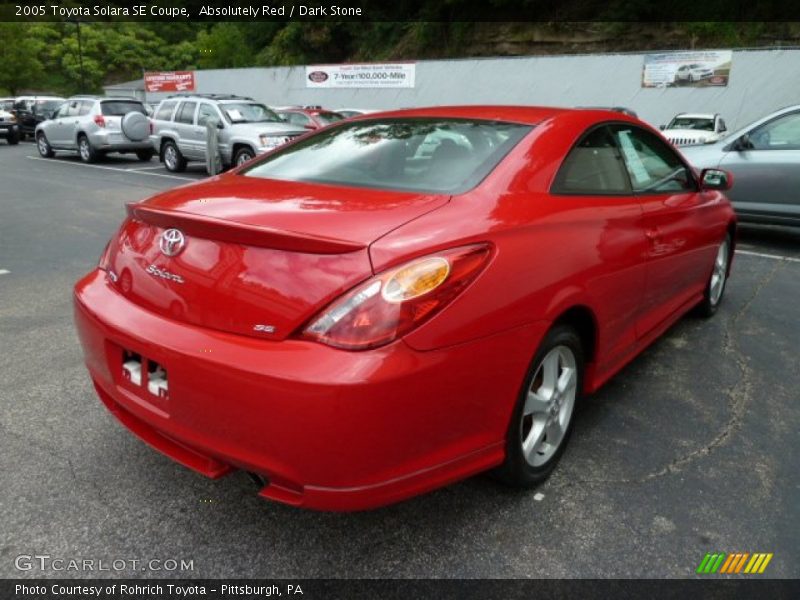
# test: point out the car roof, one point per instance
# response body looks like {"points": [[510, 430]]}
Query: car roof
{"points": [[530, 115]]}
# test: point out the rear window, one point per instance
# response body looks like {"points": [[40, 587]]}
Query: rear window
{"points": [[385, 154], [120, 108]]}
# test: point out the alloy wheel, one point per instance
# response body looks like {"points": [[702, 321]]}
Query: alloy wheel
{"points": [[719, 274], [549, 405]]}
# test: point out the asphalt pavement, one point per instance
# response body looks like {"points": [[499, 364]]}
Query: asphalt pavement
{"points": [[693, 448]]}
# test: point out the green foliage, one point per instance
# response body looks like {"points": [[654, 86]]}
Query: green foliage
{"points": [[19, 59]]}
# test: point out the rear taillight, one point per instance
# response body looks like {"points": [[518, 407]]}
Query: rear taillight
{"points": [[391, 304], [99, 121]]}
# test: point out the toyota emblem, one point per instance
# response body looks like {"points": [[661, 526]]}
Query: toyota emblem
{"points": [[172, 242]]}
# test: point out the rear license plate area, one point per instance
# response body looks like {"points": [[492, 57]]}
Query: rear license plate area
{"points": [[147, 378]]}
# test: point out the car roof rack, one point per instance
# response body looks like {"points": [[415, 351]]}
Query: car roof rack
{"points": [[210, 96]]}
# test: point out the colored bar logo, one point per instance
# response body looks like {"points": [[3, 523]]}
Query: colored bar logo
{"points": [[736, 563]]}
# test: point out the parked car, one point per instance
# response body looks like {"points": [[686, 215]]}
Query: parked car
{"points": [[693, 72], [32, 110], [353, 112], [246, 128], [689, 129], [309, 117], [7, 104], [355, 324], [96, 126], [9, 127], [764, 158]]}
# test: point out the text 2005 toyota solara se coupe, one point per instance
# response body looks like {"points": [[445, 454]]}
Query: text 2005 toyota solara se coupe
{"points": [[400, 301]]}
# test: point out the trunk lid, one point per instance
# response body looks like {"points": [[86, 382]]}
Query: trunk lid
{"points": [[259, 257]]}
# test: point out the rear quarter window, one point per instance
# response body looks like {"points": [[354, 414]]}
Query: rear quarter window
{"points": [[165, 110]]}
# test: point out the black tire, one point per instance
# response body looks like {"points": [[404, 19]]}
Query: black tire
{"points": [[516, 470], [243, 155], [145, 155], [172, 157], [85, 150], [22, 136], [44, 147], [13, 139], [710, 303]]}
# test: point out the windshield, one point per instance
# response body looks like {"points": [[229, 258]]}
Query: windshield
{"points": [[120, 108], [692, 123], [6, 104], [433, 155], [247, 112]]}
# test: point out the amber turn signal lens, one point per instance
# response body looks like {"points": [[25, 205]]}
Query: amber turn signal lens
{"points": [[416, 279]]}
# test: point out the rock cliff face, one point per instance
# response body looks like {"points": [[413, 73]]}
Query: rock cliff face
{"points": [[520, 39]]}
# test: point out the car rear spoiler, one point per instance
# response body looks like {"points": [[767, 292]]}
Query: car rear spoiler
{"points": [[240, 233]]}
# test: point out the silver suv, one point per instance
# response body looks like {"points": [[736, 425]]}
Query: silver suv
{"points": [[246, 128], [96, 126]]}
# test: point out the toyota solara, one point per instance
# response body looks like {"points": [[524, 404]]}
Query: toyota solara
{"points": [[400, 301]]}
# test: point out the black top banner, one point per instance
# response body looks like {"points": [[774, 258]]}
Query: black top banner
{"points": [[410, 10]]}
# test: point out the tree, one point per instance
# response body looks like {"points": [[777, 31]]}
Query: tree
{"points": [[20, 67]]}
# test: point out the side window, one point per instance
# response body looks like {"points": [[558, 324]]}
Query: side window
{"points": [[652, 165], [85, 108], [205, 113], [61, 112], [593, 166], [164, 112], [186, 113], [781, 134], [73, 109], [298, 119]]}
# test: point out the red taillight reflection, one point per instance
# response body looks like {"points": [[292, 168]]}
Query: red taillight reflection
{"points": [[99, 121]]}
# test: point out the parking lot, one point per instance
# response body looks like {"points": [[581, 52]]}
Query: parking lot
{"points": [[693, 448]]}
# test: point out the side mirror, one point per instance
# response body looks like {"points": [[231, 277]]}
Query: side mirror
{"points": [[743, 143], [715, 179], [220, 125], [662, 127]]}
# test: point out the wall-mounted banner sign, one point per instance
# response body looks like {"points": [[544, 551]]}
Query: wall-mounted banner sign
{"points": [[169, 81], [697, 68], [368, 75]]}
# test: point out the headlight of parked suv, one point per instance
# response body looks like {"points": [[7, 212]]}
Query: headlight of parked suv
{"points": [[271, 141]]}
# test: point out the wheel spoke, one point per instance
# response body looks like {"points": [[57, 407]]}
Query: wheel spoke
{"points": [[533, 440], [536, 402], [555, 432], [550, 370], [567, 380]]}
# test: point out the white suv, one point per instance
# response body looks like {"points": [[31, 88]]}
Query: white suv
{"points": [[246, 128], [96, 126], [690, 129]]}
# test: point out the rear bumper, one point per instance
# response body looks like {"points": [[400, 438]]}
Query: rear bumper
{"points": [[328, 429], [113, 141]]}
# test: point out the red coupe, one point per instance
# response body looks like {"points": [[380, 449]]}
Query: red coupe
{"points": [[396, 302]]}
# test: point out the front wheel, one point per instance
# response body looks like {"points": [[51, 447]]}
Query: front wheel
{"points": [[542, 420], [242, 156], [43, 146], [715, 287]]}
